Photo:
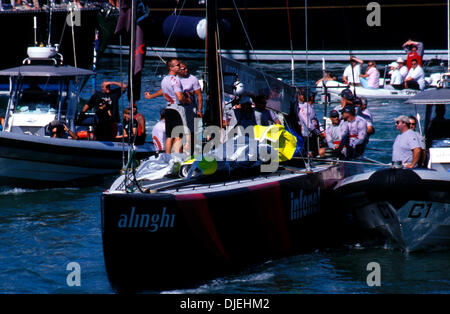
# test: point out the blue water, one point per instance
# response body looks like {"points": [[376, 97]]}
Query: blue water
{"points": [[42, 231]]}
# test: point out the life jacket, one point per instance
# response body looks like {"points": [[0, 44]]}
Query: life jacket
{"points": [[411, 56], [83, 135]]}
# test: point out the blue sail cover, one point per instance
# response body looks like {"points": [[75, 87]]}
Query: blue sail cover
{"points": [[279, 95]]}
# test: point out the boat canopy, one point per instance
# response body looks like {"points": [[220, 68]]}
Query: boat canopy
{"points": [[45, 71], [431, 97]]}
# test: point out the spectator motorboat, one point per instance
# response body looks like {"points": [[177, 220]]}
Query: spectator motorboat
{"points": [[38, 95], [334, 88], [405, 208]]}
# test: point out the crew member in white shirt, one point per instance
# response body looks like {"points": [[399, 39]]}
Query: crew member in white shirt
{"points": [[402, 68], [352, 72], [416, 77], [396, 77]]}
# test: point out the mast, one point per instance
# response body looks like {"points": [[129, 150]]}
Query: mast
{"points": [[132, 53], [215, 103]]}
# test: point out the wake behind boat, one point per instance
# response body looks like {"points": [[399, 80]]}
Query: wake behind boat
{"points": [[39, 96]]}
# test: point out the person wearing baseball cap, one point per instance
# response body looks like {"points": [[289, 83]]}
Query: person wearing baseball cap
{"points": [[402, 67], [406, 148], [333, 135], [355, 134], [396, 77]]}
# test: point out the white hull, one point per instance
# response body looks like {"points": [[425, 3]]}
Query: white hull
{"points": [[335, 88]]}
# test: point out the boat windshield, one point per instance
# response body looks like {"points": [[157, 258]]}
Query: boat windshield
{"points": [[38, 95]]}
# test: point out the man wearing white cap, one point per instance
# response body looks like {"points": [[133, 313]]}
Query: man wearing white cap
{"points": [[402, 68], [396, 77], [406, 148]]}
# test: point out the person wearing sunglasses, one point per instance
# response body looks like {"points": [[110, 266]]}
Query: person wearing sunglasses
{"points": [[416, 77], [175, 115], [406, 148], [412, 125], [371, 79]]}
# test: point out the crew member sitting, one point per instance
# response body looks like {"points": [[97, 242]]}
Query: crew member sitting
{"points": [[129, 129], [372, 77], [333, 135], [416, 77], [396, 76], [355, 133]]}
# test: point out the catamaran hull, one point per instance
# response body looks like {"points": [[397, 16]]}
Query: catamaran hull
{"points": [[407, 209], [159, 241], [30, 160]]}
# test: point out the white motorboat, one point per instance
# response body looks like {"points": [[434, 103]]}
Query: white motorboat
{"points": [[40, 94], [334, 88]]}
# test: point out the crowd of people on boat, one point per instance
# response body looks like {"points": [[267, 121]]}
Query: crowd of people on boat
{"points": [[403, 75], [346, 135]]}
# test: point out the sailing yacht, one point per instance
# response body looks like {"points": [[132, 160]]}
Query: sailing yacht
{"points": [[172, 223]]}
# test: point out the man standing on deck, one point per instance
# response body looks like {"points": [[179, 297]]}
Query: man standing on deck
{"points": [[107, 96], [412, 126], [414, 49], [308, 121], [175, 115], [406, 148]]}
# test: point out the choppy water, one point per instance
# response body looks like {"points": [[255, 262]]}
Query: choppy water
{"points": [[42, 231]]}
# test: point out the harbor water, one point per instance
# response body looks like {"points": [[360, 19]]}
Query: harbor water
{"points": [[43, 231]]}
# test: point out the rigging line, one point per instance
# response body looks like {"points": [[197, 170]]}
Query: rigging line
{"points": [[349, 44], [121, 99], [308, 164], [220, 72], [73, 40], [249, 42], [63, 30], [291, 44], [348, 161], [171, 33]]}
